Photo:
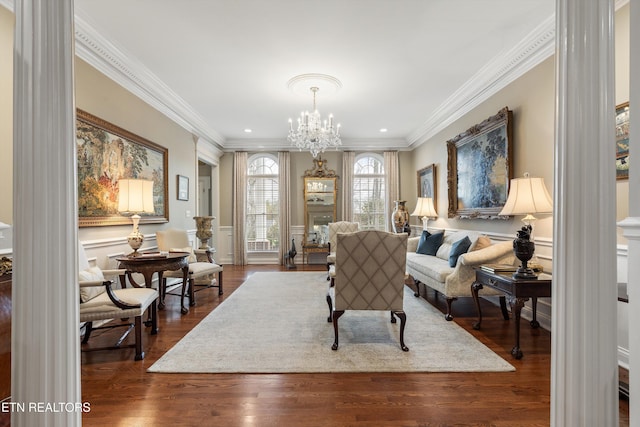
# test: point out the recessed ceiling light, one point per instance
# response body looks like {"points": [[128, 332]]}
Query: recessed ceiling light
{"points": [[248, 130], [383, 130]]}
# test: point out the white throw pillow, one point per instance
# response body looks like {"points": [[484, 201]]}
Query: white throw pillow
{"points": [[91, 274]]}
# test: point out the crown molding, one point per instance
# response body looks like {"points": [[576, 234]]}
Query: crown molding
{"points": [[498, 73], [284, 145], [125, 70]]}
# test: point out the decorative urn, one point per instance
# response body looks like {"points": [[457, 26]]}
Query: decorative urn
{"points": [[203, 230], [524, 248]]}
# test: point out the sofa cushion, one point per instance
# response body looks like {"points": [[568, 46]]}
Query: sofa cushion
{"points": [[449, 239], [430, 266], [430, 244], [457, 249], [480, 243]]}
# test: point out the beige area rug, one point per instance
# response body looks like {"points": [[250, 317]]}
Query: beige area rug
{"points": [[277, 322]]}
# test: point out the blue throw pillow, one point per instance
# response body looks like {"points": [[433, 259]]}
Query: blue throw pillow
{"points": [[458, 248], [423, 239], [431, 243]]}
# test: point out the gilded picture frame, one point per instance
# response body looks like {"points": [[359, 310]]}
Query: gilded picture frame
{"points": [[107, 153], [479, 168], [622, 141], [427, 184]]}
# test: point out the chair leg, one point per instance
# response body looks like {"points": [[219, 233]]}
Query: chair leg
{"points": [[403, 321], [336, 316], [154, 318], [220, 283], [329, 319], [192, 292], [138, 327], [393, 317], [88, 327]]}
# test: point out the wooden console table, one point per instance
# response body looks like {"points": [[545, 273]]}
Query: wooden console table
{"points": [[518, 291], [309, 248]]}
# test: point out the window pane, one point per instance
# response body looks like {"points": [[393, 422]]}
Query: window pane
{"points": [[262, 221], [368, 193]]}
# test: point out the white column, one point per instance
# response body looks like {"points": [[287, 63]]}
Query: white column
{"points": [[584, 379], [631, 225], [45, 344]]}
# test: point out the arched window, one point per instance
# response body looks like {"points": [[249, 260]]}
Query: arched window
{"points": [[262, 224], [369, 192]]}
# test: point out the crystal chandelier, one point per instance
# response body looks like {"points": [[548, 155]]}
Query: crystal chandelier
{"points": [[312, 133]]}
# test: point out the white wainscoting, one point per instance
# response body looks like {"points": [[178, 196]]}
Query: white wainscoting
{"points": [[103, 253]]}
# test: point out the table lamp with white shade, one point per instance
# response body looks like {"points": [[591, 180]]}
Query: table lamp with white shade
{"points": [[135, 196], [527, 196], [425, 209]]}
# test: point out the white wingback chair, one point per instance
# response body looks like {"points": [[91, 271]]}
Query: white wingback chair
{"points": [[99, 301], [369, 275], [200, 272]]}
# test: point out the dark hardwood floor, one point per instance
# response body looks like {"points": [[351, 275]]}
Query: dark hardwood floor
{"points": [[122, 393]]}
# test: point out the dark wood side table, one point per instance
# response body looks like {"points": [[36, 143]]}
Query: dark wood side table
{"points": [[310, 248], [518, 291], [149, 263]]}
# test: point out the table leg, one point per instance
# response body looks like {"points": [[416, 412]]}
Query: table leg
{"points": [[475, 287], [162, 291], [534, 306], [516, 308], [154, 319]]}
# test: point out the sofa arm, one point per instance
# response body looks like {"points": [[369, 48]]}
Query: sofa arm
{"points": [[486, 255]]}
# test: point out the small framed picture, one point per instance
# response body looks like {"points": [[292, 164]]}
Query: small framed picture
{"points": [[183, 187], [427, 183]]}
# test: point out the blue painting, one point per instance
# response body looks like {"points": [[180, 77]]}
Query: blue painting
{"points": [[480, 168]]}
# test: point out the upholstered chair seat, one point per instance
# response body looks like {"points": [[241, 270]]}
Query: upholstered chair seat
{"points": [[369, 274]]}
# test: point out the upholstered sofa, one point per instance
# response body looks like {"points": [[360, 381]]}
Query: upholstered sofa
{"points": [[435, 271]]}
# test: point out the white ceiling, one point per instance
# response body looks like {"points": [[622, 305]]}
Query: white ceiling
{"points": [[220, 66]]}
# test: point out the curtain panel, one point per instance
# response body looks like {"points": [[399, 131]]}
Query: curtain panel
{"points": [[239, 207]]}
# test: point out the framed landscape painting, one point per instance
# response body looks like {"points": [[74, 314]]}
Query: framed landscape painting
{"points": [[622, 141], [427, 183], [106, 154], [479, 168]]}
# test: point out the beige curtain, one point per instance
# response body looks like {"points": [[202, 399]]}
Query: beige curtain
{"points": [[392, 187], [284, 193], [346, 197], [239, 207]]}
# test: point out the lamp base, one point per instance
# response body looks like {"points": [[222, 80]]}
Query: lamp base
{"points": [[136, 238], [524, 273]]}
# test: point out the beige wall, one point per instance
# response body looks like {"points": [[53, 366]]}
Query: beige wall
{"points": [[531, 98], [102, 97], [6, 115]]}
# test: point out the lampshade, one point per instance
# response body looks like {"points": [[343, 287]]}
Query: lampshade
{"points": [[425, 208], [527, 195], [135, 195]]}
